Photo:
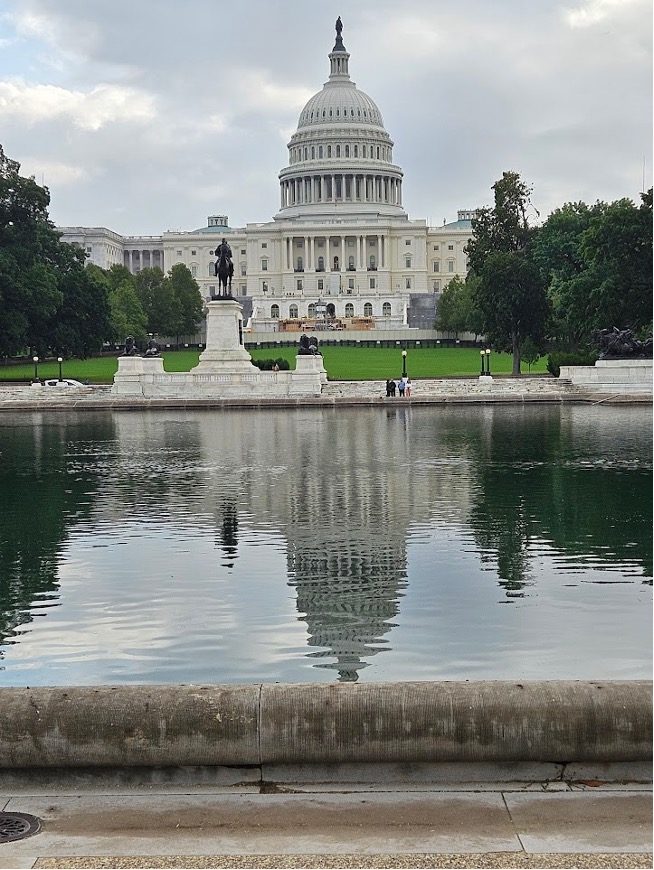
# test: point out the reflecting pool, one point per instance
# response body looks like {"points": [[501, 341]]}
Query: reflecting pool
{"points": [[392, 543]]}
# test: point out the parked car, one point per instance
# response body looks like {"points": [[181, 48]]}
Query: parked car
{"points": [[64, 382]]}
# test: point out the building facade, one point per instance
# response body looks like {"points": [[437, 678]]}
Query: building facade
{"points": [[341, 252]]}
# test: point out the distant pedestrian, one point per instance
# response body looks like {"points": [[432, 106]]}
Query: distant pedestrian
{"points": [[401, 386], [390, 387], [407, 388]]}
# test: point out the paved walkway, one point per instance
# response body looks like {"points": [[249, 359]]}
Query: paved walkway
{"points": [[243, 822]]}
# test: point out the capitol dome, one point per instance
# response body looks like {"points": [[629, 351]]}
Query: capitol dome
{"points": [[340, 157]]}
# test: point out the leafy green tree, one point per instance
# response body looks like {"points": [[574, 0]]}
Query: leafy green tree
{"points": [[529, 353], [29, 291], [157, 297], [188, 306], [457, 311], [127, 315], [511, 294]]}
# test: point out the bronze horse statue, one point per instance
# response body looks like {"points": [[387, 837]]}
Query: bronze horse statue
{"points": [[224, 271]]}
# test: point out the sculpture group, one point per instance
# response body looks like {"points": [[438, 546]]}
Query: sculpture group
{"points": [[620, 344]]}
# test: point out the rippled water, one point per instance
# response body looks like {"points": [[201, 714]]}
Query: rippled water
{"points": [[394, 543]]}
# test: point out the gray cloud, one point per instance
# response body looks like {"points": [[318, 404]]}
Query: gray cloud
{"points": [[159, 113]]}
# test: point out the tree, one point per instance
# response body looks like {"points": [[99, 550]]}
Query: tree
{"points": [[29, 291], [511, 294], [188, 307], [157, 298], [457, 311], [127, 316]]}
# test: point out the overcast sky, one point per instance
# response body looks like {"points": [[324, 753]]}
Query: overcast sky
{"points": [[149, 115]]}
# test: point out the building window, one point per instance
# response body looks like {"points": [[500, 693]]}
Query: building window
{"points": [[407, 242], [313, 152], [407, 262], [321, 284], [244, 289], [329, 150], [243, 252], [194, 271], [292, 312], [89, 250], [338, 150], [372, 283], [450, 247], [347, 150], [336, 266], [407, 283], [349, 310], [367, 309], [450, 265], [212, 291], [350, 263], [300, 264], [299, 285], [264, 265], [350, 284], [244, 270], [373, 261], [386, 309], [274, 311], [178, 253], [437, 266], [321, 264], [264, 244], [356, 150], [264, 286], [437, 247], [312, 309], [437, 286], [320, 152], [212, 270], [194, 253]]}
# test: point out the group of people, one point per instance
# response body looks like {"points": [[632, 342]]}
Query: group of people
{"points": [[402, 387]]}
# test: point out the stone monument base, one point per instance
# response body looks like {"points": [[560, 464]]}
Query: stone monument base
{"points": [[224, 370], [615, 376]]}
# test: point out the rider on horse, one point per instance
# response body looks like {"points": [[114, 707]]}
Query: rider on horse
{"points": [[224, 267]]}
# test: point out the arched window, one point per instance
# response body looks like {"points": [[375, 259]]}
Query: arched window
{"points": [[313, 152], [319, 152], [349, 310], [212, 271], [274, 311], [356, 150], [437, 286], [321, 264], [386, 309], [367, 309], [329, 150], [373, 261], [437, 265], [336, 266], [347, 150], [306, 153], [364, 150], [300, 264], [350, 263], [338, 150], [312, 309], [292, 311]]}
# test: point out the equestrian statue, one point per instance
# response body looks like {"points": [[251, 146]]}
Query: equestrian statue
{"points": [[224, 270]]}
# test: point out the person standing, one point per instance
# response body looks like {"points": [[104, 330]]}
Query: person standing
{"points": [[407, 388], [401, 386]]}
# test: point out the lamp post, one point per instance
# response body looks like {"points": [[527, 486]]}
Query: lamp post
{"points": [[482, 355], [488, 371], [404, 363], [35, 360], [60, 360]]}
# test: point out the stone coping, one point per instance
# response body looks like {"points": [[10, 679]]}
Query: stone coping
{"points": [[551, 721]]}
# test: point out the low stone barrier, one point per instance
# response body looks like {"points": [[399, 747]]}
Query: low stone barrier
{"points": [[552, 721]]}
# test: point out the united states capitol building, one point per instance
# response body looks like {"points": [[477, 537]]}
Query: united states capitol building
{"points": [[341, 252]]}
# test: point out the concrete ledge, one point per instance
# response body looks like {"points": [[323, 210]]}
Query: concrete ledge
{"points": [[170, 726]]}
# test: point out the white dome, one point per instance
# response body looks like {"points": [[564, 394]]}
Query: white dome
{"points": [[340, 103]]}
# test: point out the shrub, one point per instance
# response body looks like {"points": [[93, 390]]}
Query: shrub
{"points": [[569, 358], [267, 365]]}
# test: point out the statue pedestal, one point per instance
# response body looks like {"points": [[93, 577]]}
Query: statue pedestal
{"points": [[134, 372], [225, 351], [485, 382], [615, 376]]}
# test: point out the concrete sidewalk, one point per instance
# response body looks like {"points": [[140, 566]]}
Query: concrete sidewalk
{"points": [[238, 820]]}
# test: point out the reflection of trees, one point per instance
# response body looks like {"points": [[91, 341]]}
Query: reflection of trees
{"points": [[536, 482], [44, 494]]}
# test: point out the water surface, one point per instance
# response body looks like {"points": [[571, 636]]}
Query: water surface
{"points": [[373, 544]]}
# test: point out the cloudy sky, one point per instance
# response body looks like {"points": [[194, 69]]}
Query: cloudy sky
{"points": [[149, 115]]}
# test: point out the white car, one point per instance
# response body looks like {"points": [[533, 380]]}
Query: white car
{"points": [[64, 382]]}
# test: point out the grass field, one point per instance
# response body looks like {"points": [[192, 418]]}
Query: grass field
{"points": [[342, 363]]}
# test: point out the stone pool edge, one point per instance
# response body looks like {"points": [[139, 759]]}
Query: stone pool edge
{"points": [[559, 722]]}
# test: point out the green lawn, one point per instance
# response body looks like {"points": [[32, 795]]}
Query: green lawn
{"points": [[342, 363]]}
